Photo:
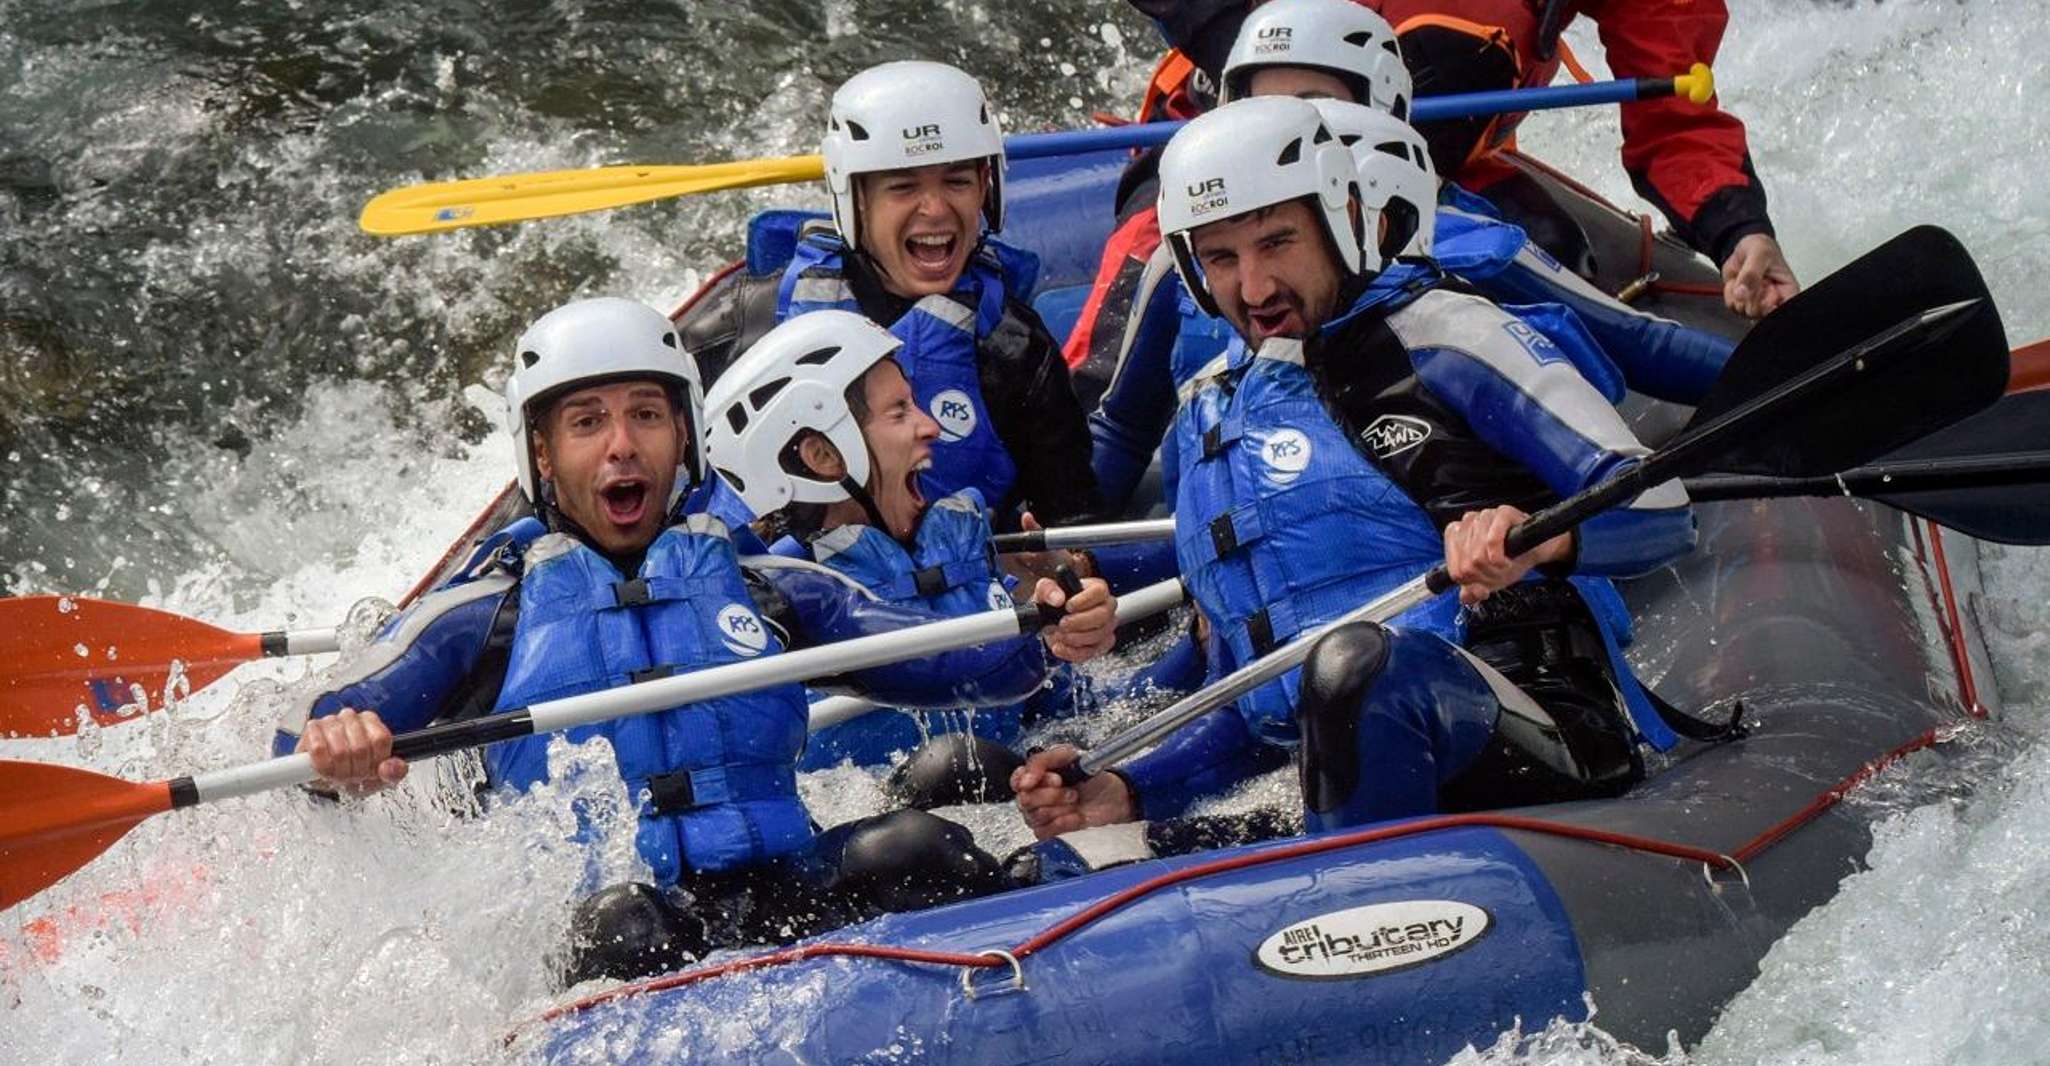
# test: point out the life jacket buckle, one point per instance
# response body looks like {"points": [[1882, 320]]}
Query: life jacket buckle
{"points": [[930, 581], [652, 673], [632, 593], [1260, 630], [1224, 535], [684, 790]]}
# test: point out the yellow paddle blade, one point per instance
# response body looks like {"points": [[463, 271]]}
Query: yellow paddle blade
{"points": [[446, 205]]}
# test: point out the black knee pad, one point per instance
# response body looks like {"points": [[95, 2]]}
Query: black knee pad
{"points": [[627, 932], [1342, 666], [954, 769], [910, 860]]}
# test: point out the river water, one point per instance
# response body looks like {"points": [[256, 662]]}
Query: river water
{"points": [[216, 396]]}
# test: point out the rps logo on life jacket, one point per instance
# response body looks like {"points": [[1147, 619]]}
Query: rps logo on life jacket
{"points": [[1374, 939], [955, 413], [1273, 39], [1391, 435], [1284, 455], [742, 631], [999, 597], [923, 140], [1207, 196]]}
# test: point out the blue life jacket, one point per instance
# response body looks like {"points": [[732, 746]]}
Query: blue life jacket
{"points": [[941, 334], [950, 569], [1281, 525], [716, 781]]}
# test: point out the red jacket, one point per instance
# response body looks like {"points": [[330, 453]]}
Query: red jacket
{"points": [[1689, 160]]}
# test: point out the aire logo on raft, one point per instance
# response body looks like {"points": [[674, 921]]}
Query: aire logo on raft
{"points": [[1377, 938]]}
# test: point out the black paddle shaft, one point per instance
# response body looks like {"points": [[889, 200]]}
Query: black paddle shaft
{"points": [[1947, 360]]}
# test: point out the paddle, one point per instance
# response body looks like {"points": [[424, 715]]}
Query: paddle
{"points": [[1806, 393], [62, 655], [1959, 493], [445, 205], [55, 819]]}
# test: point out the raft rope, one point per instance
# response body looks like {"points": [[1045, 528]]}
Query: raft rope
{"points": [[1046, 938]]}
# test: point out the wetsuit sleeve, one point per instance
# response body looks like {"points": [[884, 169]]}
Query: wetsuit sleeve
{"points": [[434, 658], [724, 322], [1690, 160], [1203, 758], [1039, 420], [1658, 356], [1139, 403], [812, 609], [1523, 397]]}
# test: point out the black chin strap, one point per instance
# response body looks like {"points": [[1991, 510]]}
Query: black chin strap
{"points": [[859, 493]]}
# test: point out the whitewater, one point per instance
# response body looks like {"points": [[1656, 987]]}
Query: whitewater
{"points": [[275, 929]]}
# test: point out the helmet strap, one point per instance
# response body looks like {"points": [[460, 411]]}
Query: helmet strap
{"points": [[859, 493]]}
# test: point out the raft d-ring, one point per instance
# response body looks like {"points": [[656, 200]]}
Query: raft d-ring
{"points": [[1017, 975], [1708, 873]]}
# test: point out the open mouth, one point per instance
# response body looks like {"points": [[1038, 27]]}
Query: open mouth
{"points": [[931, 251], [911, 483], [1272, 321], [625, 501]]}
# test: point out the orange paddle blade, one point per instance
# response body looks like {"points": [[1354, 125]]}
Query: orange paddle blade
{"points": [[59, 654], [55, 819], [2029, 367]]}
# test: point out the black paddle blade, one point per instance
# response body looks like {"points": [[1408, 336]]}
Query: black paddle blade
{"points": [[1938, 372], [2000, 495]]}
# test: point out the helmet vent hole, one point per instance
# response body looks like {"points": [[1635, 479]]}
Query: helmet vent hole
{"points": [[818, 357], [529, 358], [985, 113], [1348, 139], [1395, 148], [763, 394], [856, 130], [1291, 154], [1388, 46], [733, 479], [1322, 136], [1362, 38], [669, 340], [737, 418], [1400, 108]]}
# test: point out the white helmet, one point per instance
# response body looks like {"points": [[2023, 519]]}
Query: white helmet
{"points": [[908, 114], [590, 342], [1396, 176], [1340, 36], [794, 379], [1256, 153]]}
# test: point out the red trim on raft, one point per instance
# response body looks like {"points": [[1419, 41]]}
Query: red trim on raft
{"points": [[1960, 653], [691, 301], [461, 543]]}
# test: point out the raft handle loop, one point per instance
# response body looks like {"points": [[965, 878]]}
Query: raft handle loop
{"points": [[1708, 872], [1017, 974]]}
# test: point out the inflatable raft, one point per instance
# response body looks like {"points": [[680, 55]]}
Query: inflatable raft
{"points": [[1843, 629]]}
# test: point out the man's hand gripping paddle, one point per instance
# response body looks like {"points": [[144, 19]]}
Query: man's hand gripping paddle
{"points": [[1831, 380], [55, 819]]}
